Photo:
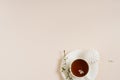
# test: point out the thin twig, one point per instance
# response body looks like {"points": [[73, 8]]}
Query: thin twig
{"points": [[64, 53], [108, 60]]}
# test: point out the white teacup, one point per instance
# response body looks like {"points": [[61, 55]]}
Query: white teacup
{"points": [[79, 68]]}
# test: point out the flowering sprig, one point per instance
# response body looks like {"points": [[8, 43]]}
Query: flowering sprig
{"points": [[65, 69]]}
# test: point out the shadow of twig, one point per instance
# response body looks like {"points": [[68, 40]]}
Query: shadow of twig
{"points": [[58, 66]]}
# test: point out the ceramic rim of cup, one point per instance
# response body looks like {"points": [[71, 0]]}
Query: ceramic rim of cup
{"points": [[71, 67]]}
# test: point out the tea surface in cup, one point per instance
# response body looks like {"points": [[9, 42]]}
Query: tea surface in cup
{"points": [[79, 67]]}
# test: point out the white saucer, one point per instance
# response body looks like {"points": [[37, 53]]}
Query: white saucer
{"points": [[70, 57]]}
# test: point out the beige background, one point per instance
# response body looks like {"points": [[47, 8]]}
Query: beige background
{"points": [[33, 34]]}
